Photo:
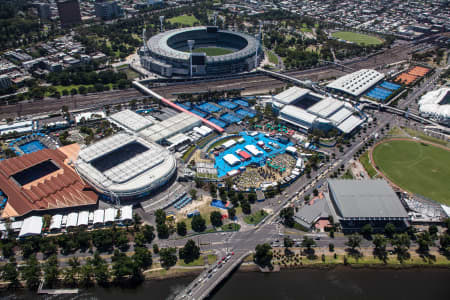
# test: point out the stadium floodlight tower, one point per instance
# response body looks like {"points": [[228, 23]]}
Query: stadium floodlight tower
{"points": [[161, 21], [258, 43], [191, 46]]}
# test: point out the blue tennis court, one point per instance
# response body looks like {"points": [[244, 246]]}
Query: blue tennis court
{"points": [[245, 113], [218, 122], [32, 146], [223, 168], [241, 102], [231, 118], [379, 93], [208, 107], [184, 105], [390, 86], [198, 113], [227, 104]]}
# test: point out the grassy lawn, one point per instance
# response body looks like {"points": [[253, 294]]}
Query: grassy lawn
{"points": [[255, 218], [183, 20], [416, 167], [60, 88], [131, 74], [357, 38], [272, 57], [187, 153], [347, 175], [231, 227], [425, 137], [198, 262], [211, 258], [213, 51], [305, 28], [364, 159]]}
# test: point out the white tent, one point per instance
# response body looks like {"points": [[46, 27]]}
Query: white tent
{"points": [[91, 217], [2, 227], [83, 218], [31, 226], [17, 225], [110, 214], [56, 222], [99, 216], [126, 213], [72, 219]]}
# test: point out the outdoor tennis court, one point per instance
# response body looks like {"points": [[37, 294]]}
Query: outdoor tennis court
{"points": [[227, 104], [241, 102], [231, 118], [245, 113], [218, 122], [32, 146], [208, 107]]}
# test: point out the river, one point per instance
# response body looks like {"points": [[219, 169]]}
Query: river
{"points": [[338, 283]]}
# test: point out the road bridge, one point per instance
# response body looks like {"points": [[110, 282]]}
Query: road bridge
{"points": [[287, 78], [209, 279]]}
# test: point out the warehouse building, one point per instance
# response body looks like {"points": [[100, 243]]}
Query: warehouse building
{"points": [[354, 203], [356, 83], [307, 110]]}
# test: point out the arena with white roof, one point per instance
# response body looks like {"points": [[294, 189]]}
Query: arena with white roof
{"points": [[436, 105], [125, 166], [356, 83], [307, 110]]}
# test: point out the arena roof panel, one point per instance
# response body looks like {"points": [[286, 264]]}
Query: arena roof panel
{"points": [[365, 199], [357, 82], [130, 120], [325, 107]]}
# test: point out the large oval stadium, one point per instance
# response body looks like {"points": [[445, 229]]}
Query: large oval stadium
{"points": [[214, 52]]}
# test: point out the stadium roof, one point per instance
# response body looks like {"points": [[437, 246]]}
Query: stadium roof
{"points": [[158, 45], [59, 189], [357, 82], [130, 120], [326, 107], [143, 167], [349, 124], [290, 95], [365, 199], [295, 113], [179, 123], [436, 103]]}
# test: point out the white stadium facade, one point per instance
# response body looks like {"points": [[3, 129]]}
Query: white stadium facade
{"points": [[307, 110], [436, 105]]}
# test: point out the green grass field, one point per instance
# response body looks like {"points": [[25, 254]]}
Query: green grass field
{"points": [[213, 51], [183, 20], [357, 38], [416, 167], [272, 57]]}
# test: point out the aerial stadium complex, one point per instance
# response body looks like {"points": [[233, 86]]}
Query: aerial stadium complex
{"points": [[173, 53], [125, 166]]}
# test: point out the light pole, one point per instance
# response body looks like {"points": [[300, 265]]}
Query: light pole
{"points": [[259, 43], [191, 46], [215, 18], [161, 21]]}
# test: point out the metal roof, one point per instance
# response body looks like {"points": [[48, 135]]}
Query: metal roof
{"points": [[365, 199], [130, 120], [357, 82]]}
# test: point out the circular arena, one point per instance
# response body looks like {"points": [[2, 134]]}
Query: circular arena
{"points": [[126, 167], [214, 52]]}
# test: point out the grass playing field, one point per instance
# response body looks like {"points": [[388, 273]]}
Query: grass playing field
{"points": [[416, 167], [183, 20], [357, 38], [213, 51]]}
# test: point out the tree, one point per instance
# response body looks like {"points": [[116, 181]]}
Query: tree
{"points": [[10, 273], [142, 257], [149, 233], [354, 241], [163, 231], [168, 257], [181, 228], [216, 218], [198, 224], [232, 213], [137, 220], [367, 231], [155, 248], [160, 216], [263, 255], [101, 270], [389, 230], [425, 241], [251, 197], [444, 242], [331, 247], [287, 214], [401, 243], [122, 266], [51, 271], [193, 193], [288, 242], [87, 273], [308, 243], [380, 242], [189, 252], [71, 273], [433, 230], [246, 208], [31, 273]]}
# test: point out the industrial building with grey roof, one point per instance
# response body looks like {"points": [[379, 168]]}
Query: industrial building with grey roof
{"points": [[355, 203]]}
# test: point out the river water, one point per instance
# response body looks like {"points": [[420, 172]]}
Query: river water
{"points": [[338, 283]]}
